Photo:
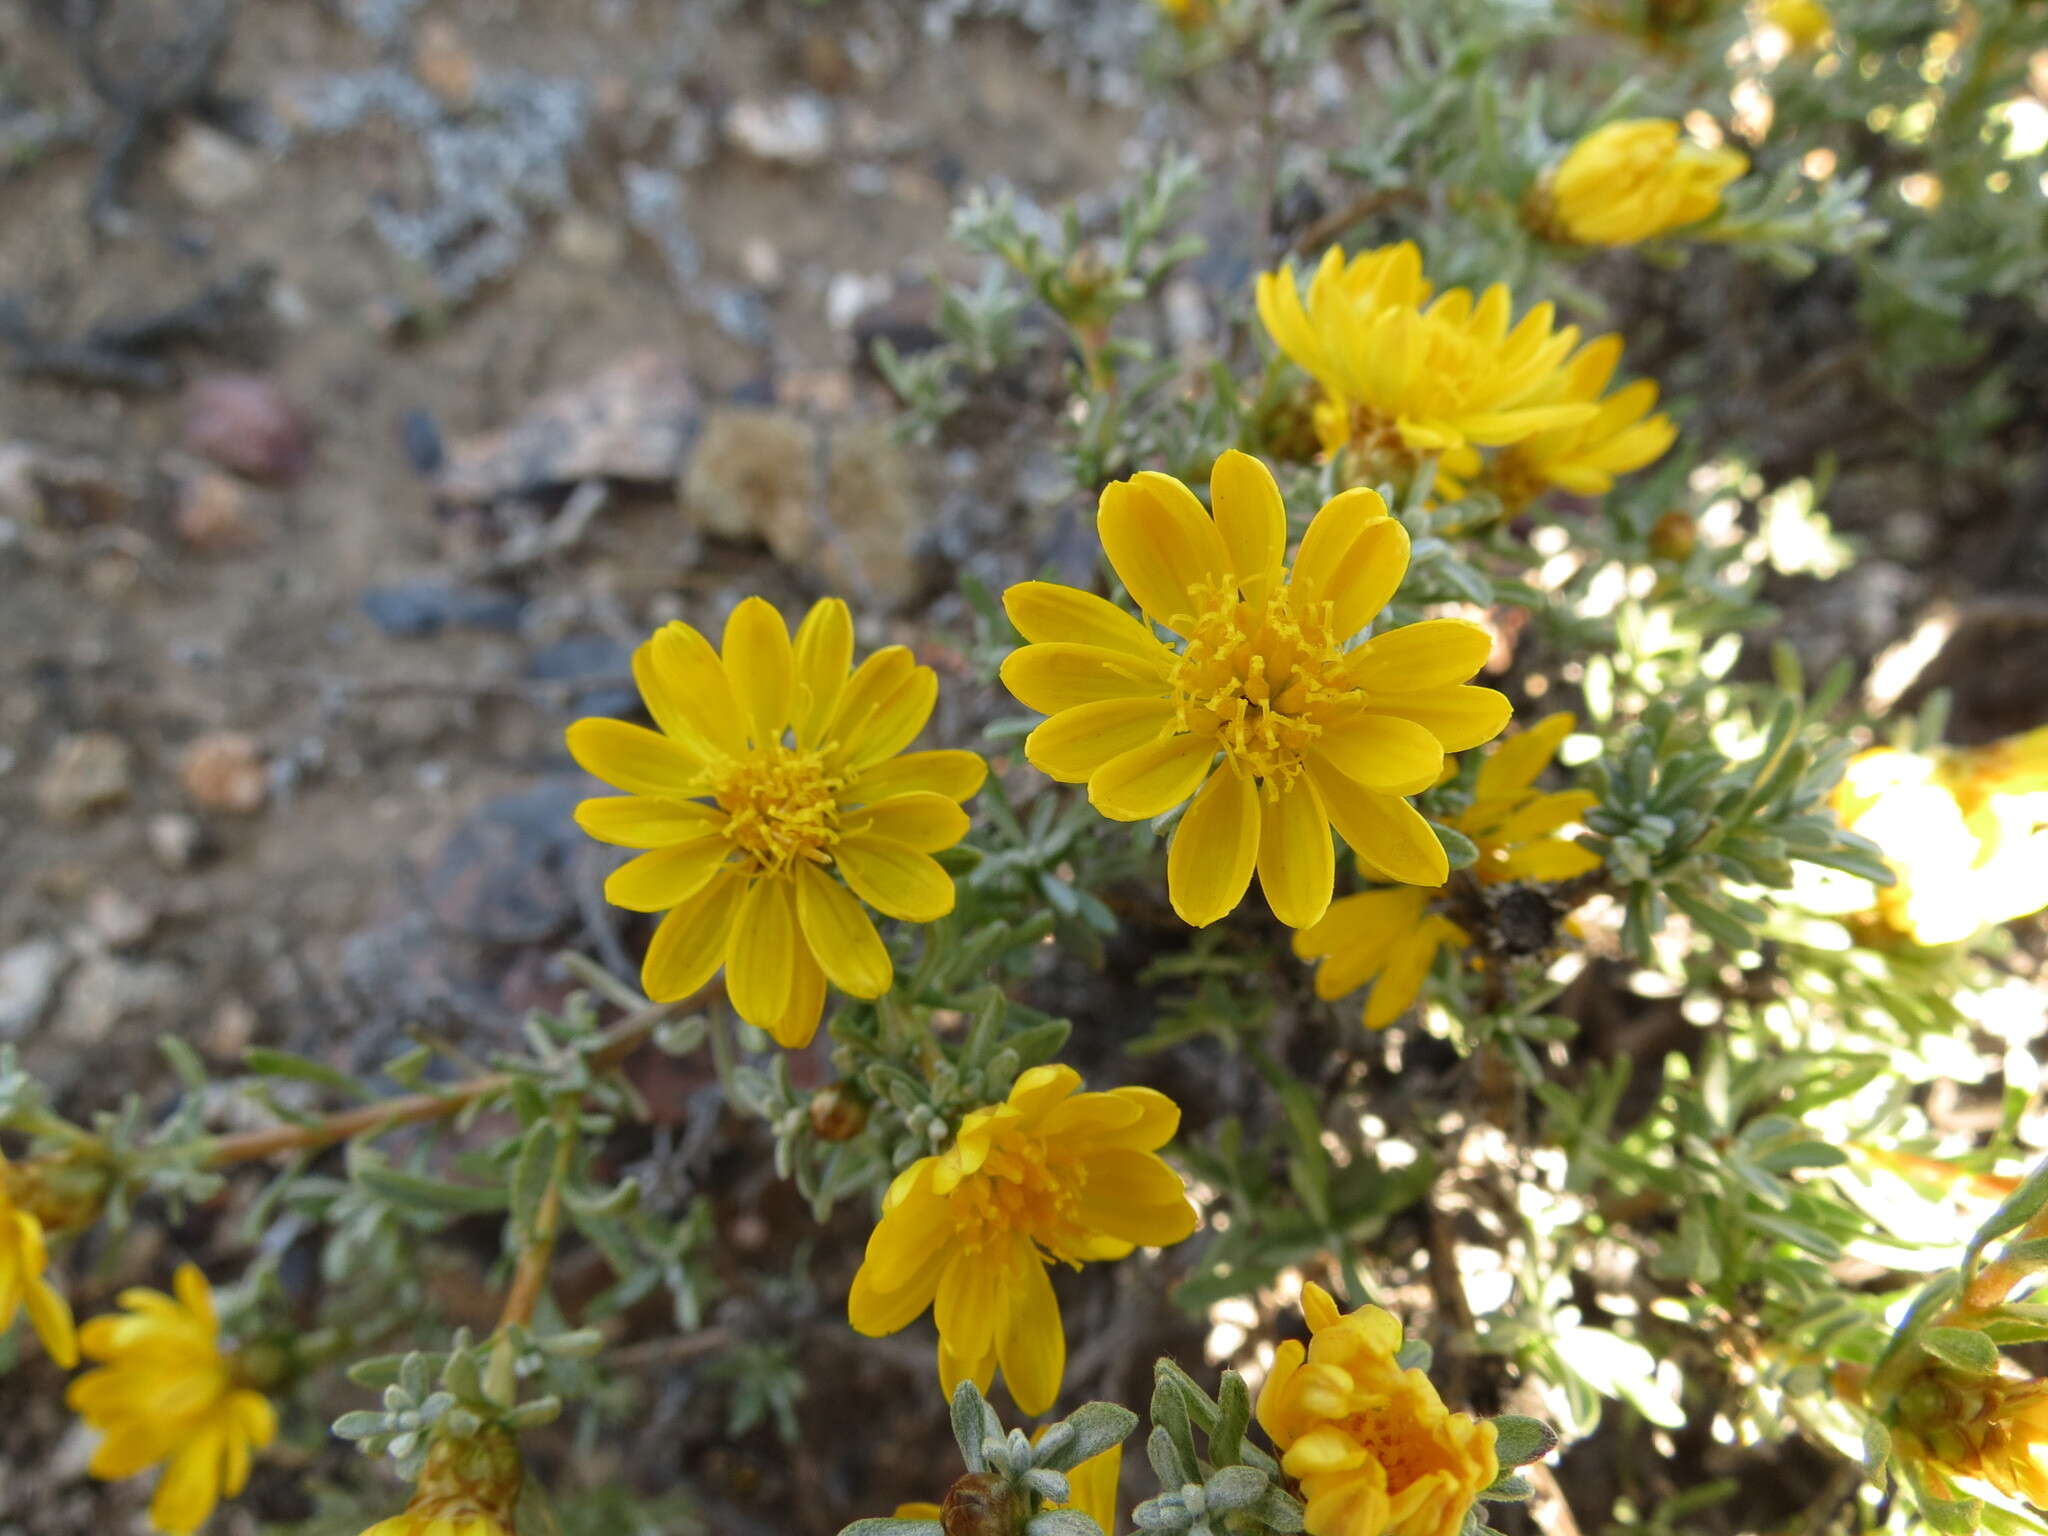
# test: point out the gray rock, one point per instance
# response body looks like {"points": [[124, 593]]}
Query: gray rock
{"points": [[175, 839], [107, 993], [85, 774], [786, 130], [209, 169], [28, 978]]}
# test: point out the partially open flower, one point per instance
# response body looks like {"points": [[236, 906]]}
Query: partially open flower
{"points": [[1631, 180], [1373, 1447]]}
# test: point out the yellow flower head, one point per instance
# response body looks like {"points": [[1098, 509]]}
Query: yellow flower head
{"points": [[1621, 435], [1312, 731], [1805, 23], [1403, 376], [168, 1393], [775, 803], [469, 1487], [1966, 833], [1391, 937], [1049, 1176], [1991, 1429], [1372, 1445], [1630, 180], [24, 1256], [1092, 1486]]}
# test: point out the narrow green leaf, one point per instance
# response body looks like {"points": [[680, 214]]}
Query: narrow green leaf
{"points": [[1964, 1348]]}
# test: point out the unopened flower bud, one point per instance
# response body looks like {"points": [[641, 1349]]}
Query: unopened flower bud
{"points": [[979, 1504], [837, 1113]]}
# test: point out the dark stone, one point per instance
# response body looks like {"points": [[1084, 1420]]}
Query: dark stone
{"points": [[604, 663], [505, 875], [413, 610], [421, 435]]}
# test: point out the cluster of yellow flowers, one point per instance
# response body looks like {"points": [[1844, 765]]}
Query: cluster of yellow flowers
{"points": [[1965, 831], [1406, 373], [1633, 180], [775, 802]]}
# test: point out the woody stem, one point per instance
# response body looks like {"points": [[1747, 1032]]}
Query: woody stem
{"points": [[529, 1278], [605, 1051]]}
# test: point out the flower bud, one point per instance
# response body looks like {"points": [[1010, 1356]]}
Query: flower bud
{"points": [[979, 1504], [837, 1113]]}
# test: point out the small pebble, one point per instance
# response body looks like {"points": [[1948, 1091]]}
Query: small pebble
{"points": [[225, 771], [86, 774]]}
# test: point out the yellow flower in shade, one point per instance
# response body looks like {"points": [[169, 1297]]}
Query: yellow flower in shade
{"points": [[1403, 376], [1621, 435], [168, 1393], [469, 1486], [1092, 1486], [1050, 1175], [775, 803], [1312, 731], [1390, 937], [24, 1257], [1805, 23], [1989, 1429], [1634, 179], [1965, 832], [1372, 1446]]}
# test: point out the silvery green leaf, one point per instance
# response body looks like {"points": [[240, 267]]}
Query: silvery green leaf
{"points": [[1170, 1415], [1508, 1487], [1232, 1488], [542, 1410], [1165, 1460], [1062, 1522], [1964, 1348], [886, 1526], [1280, 1511], [1519, 1440], [1165, 1513], [1094, 1428], [1877, 1447], [1048, 1484], [1234, 1400], [580, 1344], [973, 1423], [360, 1424]]}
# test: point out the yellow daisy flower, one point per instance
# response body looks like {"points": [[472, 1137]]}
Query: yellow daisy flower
{"points": [[1093, 1486], [1390, 938], [1620, 436], [1050, 1175], [469, 1487], [1401, 375], [1372, 1446], [24, 1258], [168, 1393], [775, 803], [1630, 180], [1312, 731], [1965, 832]]}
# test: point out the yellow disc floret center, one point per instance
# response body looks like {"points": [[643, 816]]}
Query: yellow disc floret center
{"points": [[1018, 1189], [781, 806], [1261, 679], [1389, 1430]]}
